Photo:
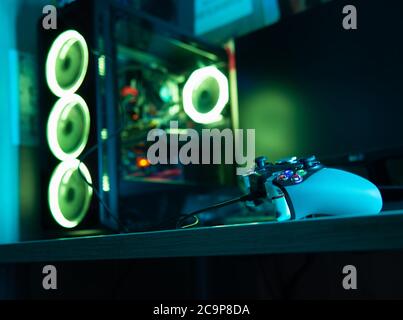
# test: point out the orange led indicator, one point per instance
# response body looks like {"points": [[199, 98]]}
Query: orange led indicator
{"points": [[143, 163]]}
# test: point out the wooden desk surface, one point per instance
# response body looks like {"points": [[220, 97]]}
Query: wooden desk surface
{"points": [[382, 232]]}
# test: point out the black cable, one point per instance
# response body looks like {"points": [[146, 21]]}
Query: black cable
{"points": [[247, 197], [182, 218], [222, 204], [100, 200], [96, 146], [121, 226], [194, 214]]}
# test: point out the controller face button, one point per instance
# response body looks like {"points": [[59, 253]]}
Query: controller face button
{"points": [[289, 173], [302, 173], [297, 178], [282, 178]]}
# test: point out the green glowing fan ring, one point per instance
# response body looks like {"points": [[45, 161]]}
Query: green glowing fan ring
{"points": [[58, 180], [67, 39], [194, 81], [54, 121]]}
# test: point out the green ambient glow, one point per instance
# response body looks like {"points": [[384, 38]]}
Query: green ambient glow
{"points": [[195, 80], [105, 183], [177, 131], [68, 127], [174, 110], [104, 134], [102, 66], [67, 63], [69, 196]]}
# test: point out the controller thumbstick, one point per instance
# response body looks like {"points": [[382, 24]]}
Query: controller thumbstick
{"points": [[260, 162], [311, 159], [311, 162]]}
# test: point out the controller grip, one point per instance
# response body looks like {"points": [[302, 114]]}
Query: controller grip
{"points": [[336, 193]]}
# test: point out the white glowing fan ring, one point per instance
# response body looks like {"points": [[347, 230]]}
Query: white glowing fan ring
{"points": [[53, 196], [52, 124], [194, 81], [57, 46]]}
